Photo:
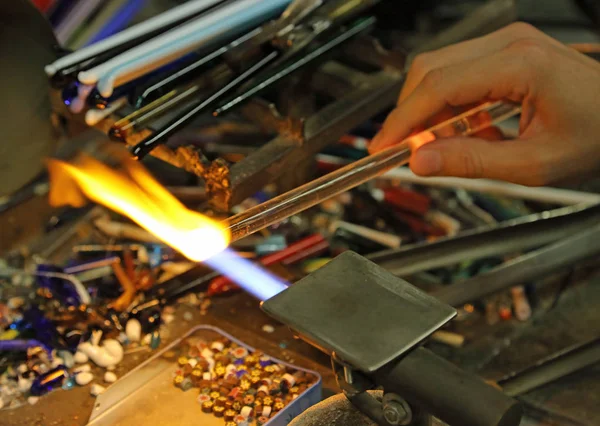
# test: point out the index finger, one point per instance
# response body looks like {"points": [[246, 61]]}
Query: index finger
{"points": [[511, 74]]}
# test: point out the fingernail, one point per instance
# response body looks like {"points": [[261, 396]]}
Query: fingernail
{"points": [[426, 162]]}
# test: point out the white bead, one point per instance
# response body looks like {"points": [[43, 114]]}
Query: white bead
{"points": [[267, 328], [206, 376], [207, 353], [67, 358], [110, 377], [33, 400], [80, 358], [289, 378], [211, 363], [246, 411], [86, 368], [133, 329], [24, 384], [115, 349], [193, 362], [266, 411], [22, 369], [217, 346], [84, 378], [57, 361], [96, 389]]}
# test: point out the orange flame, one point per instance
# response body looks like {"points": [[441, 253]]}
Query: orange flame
{"points": [[134, 193]]}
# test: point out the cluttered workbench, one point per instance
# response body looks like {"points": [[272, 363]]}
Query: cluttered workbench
{"points": [[168, 297]]}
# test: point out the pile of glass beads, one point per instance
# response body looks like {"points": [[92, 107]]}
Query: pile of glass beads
{"points": [[243, 388]]}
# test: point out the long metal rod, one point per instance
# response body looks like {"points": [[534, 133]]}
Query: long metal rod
{"points": [[552, 368], [531, 266], [516, 235]]}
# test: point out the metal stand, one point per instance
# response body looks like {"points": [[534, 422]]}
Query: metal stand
{"points": [[373, 325]]}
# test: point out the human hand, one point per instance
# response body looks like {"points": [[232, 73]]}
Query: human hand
{"points": [[559, 88]]}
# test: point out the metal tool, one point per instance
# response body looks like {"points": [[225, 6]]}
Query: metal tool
{"points": [[333, 310], [525, 233], [551, 368], [534, 265]]}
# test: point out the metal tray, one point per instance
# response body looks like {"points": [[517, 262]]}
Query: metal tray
{"points": [[146, 395]]}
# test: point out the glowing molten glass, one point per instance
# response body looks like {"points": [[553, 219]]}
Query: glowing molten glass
{"points": [[133, 192]]}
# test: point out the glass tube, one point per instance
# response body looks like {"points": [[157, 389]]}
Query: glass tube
{"points": [[143, 117], [352, 175]]}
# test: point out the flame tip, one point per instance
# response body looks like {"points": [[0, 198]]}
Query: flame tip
{"points": [[135, 193]]}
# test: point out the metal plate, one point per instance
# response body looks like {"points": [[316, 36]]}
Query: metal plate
{"points": [[27, 44], [358, 310]]}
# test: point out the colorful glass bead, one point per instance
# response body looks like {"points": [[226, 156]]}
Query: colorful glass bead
{"points": [[289, 378], [182, 361], [278, 406], [49, 381], [218, 411], [196, 377], [262, 391], [262, 420], [178, 380], [240, 352], [221, 401], [267, 400], [245, 385], [249, 399], [246, 411], [234, 393], [229, 415], [186, 384], [214, 395], [237, 406], [217, 346], [265, 363], [207, 406], [220, 371], [202, 398]]}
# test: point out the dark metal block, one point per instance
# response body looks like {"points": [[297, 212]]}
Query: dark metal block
{"points": [[362, 313]]}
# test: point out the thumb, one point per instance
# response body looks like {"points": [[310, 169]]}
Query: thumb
{"points": [[517, 161]]}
